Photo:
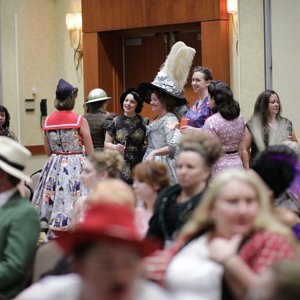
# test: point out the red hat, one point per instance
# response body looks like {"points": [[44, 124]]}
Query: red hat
{"points": [[106, 221]]}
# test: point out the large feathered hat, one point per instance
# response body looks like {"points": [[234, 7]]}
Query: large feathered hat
{"points": [[172, 76]]}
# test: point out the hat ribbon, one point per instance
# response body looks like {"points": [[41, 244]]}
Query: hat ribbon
{"points": [[12, 164]]}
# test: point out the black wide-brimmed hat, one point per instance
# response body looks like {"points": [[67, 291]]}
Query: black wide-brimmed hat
{"points": [[172, 76]]}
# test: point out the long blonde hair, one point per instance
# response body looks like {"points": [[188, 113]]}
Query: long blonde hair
{"points": [[201, 221]]}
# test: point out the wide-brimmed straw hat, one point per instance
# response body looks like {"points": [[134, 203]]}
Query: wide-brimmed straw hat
{"points": [[13, 158], [172, 76], [108, 222], [96, 95]]}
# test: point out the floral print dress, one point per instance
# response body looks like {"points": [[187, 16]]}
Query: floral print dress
{"points": [[59, 184], [131, 132], [198, 115]]}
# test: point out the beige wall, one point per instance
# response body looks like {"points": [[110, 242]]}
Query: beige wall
{"points": [[285, 23], [35, 53], [247, 54]]}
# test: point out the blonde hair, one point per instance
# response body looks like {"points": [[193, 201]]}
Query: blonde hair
{"points": [[265, 220], [107, 160], [112, 190]]}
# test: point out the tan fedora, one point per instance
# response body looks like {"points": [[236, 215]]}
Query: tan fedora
{"points": [[13, 158]]}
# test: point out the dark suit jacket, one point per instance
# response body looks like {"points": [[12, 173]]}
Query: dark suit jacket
{"points": [[19, 231]]}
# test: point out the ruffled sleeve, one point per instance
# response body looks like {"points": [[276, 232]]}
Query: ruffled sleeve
{"points": [[169, 131]]}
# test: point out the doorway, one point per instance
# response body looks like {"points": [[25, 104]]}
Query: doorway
{"points": [[143, 54]]}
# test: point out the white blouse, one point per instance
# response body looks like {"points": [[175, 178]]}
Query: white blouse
{"points": [[191, 275]]}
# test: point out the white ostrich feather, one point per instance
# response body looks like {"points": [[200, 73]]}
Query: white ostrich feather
{"points": [[178, 63]]}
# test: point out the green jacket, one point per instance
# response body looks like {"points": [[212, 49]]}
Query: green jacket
{"points": [[19, 231]]}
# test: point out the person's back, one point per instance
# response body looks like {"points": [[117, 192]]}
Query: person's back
{"points": [[67, 139], [97, 122]]}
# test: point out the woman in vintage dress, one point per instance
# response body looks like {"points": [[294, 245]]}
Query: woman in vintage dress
{"points": [[227, 124], [200, 110], [127, 132], [66, 135], [161, 145], [164, 94]]}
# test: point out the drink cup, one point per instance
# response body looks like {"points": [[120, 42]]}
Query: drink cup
{"points": [[184, 121]]}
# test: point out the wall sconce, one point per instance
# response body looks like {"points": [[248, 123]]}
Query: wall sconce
{"points": [[232, 9], [74, 25], [232, 6]]}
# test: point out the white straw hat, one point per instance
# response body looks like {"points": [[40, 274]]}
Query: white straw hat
{"points": [[96, 95], [13, 158]]}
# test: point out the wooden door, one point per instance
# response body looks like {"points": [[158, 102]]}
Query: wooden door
{"points": [[143, 55]]}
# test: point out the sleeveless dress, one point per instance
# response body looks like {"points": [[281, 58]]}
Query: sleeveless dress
{"points": [[59, 184], [98, 123]]}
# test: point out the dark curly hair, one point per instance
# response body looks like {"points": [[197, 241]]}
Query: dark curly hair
{"points": [[4, 110], [94, 107], [208, 74], [167, 101], [224, 102], [136, 96]]}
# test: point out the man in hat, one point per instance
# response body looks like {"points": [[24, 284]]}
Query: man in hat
{"points": [[106, 250], [97, 116], [19, 223]]}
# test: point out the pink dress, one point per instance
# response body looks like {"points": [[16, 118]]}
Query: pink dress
{"points": [[230, 133], [142, 217]]}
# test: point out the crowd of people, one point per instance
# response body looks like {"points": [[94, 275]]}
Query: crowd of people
{"points": [[205, 208]]}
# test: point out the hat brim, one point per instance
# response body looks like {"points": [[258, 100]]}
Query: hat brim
{"points": [[97, 100], [145, 89], [69, 240], [14, 172]]}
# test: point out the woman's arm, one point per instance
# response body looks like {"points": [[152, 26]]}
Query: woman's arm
{"points": [[293, 137], [86, 135], [46, 144], [109, 143], [239, 276], [245, 148], [158, 152], [185, 129]]}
